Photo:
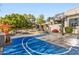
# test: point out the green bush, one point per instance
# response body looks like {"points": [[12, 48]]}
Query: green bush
{"points": [[69, 29], [10, 29]]}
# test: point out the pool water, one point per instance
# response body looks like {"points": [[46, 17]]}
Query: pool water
{"points": [[42, 47], [33, 46]]}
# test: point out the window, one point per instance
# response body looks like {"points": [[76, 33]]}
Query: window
{"points": [[74, 22], [78, 21]]}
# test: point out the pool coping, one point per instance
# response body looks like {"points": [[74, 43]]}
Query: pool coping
{"points": [[25, 35]]}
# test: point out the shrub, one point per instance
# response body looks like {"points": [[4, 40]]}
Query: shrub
{"points": [[69, 29]]}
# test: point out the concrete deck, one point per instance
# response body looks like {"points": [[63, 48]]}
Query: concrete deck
{"points": [[58, 39]]}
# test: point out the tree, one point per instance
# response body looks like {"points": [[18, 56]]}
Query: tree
{"points": [[40, 20], [19, 20]]}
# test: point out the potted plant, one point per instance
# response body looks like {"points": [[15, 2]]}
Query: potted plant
{"points": [[68, 29]]}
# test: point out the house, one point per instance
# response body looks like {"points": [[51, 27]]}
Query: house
{"points": [[72, 19], [54, 23], [68, 18]]}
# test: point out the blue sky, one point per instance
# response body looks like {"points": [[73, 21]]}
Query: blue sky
{"points": [[47, 9]]}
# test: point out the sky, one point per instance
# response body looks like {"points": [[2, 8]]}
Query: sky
{"points": [[47, 9]]}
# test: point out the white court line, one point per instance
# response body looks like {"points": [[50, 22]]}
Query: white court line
{"points": [[66, 51], [25, 47], [34, 50], [46, 53]]}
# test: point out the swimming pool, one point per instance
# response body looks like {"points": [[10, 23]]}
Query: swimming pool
{"points": [[33, 46]]}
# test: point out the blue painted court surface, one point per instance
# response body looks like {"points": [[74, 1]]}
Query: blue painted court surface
{"points": [[33, 46]]}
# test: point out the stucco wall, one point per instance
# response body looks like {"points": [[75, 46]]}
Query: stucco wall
{"points": [[72, 11]]}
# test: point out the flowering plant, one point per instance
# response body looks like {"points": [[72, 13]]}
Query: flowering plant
{"points": [[55, 30]]}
